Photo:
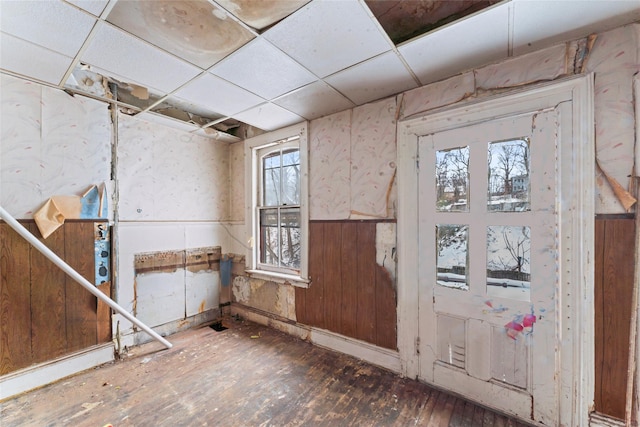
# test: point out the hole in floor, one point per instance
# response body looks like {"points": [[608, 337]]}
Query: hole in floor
{"points": [[217, 326]]}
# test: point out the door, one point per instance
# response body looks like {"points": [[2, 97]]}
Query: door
{"points": [[488, 262]]}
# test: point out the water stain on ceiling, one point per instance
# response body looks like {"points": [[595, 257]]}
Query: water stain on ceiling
{"points": [[405, 19], [195, 29]]}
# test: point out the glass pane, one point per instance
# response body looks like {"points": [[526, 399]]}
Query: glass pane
{"points": [[291, 185], [508, 170], [271, 188], [291, 157], [452, 180], [452, 242], [290, 238], [269, 237], [509, 262], [271, 160]]}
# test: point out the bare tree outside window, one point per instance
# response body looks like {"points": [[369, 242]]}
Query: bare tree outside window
{"points": [[452, 180], [280, 236], [452, 246], [508, 176], [509, 261]]}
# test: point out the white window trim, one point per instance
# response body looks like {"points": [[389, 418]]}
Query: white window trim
{"points": [[251, 148]]}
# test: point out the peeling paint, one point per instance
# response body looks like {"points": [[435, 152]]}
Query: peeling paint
{"points": [[386, 247]]}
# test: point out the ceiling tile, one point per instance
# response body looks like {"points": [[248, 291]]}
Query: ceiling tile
{"points": [[376, 78], [94, 7], [328, 36], [218, 95], [570, 19], [30, 60], [268, 117], [167, 121], [263, 69], [115, 51], [261, 14], [315, 100], [52, 24], [194, 30], [470, 42]]}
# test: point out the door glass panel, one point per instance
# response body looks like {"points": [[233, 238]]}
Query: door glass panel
{"points": [[508, 171], [509, 262], [452, 242], [452, 180]]}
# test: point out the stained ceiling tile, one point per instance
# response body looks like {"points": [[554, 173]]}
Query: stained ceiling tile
{"points": [[115, 51], [94, 7], [21, 57], [218, 95], [329, 36], [451, 50], [404, 20], [52, 24], [315, 100], [263, 69], [268, 116], [373, 79], [167, 121], [194, 30], [261, 14], [187, 111], [571, 19]]}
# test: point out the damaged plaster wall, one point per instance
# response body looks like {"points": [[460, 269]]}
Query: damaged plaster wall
{"points": [[174, 197], [50, 144], [353, 153]]}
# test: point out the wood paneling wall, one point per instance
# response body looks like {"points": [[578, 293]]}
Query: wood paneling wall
{"points": [[350, 293], [44, 313], [614, 259]]}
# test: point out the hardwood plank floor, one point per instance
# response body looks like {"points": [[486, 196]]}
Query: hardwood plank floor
{"points": [[247, 375]]}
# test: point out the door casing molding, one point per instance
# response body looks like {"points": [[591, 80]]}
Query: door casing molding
{"points": [[575, 338]]}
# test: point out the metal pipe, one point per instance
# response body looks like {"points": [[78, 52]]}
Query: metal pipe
{"points": [[76, 276]]}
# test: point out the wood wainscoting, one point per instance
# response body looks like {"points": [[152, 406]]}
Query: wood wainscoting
{"points": [[350, 294], [614, 258], [44, 313]]}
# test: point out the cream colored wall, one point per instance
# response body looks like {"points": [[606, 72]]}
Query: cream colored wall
{"points": [[50, 144], [174, 194]]}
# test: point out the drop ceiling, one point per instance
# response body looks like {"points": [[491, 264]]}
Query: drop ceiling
{"points": [[210, 66]]}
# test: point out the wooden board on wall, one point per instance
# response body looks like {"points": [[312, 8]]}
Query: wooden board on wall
{"points": [[80, 304], [349, 279], [350, 293], [15, 301], [48, 313], [366, 267], [103, 315], [314, 295], [43, 313], [613, 289]]}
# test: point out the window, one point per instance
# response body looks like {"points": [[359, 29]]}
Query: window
{"points": [[277, 196], [508, 247]]}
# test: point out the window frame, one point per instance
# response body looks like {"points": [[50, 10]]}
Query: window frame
{"points": [[253, 148]]}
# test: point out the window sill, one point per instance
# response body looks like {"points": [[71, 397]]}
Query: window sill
{"points": [[291, 279]]}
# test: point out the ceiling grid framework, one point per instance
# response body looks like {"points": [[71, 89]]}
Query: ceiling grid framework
{"points": [[207, 66]]}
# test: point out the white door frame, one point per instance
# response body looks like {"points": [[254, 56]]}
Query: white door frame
{"points": [[575, 239]]}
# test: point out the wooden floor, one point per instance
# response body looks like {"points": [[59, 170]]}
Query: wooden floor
{"points": [[247, 375]]}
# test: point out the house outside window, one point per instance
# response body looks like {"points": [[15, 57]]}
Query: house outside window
{"points": [[277, 201]]}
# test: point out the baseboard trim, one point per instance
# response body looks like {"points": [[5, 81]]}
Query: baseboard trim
{"points": [[370, 353], [45, 373], [601, 420]]}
